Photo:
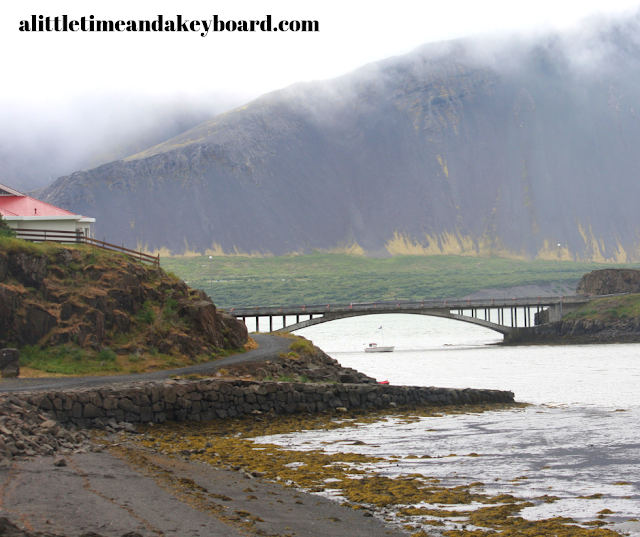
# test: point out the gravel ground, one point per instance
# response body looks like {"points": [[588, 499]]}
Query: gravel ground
{"points": [[112, 494]]}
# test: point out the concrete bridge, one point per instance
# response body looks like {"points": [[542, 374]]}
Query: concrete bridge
{"points": [[504, 315]]}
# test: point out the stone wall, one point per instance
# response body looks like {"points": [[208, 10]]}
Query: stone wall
{"points": [[204, 400]]}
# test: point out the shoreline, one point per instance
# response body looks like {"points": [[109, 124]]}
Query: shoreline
{"points": [[238, 487]]}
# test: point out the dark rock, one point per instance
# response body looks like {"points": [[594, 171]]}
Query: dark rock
{"points": [[36, 324], [29, 270], [64, 257], [609, 281], [348, 379], [9, 363]]}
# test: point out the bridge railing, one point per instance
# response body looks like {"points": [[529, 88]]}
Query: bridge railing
{"points": [[405, 305]]}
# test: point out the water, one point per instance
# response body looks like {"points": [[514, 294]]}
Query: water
{"points": [[579, 437]]}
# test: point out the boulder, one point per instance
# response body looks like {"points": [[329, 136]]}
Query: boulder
{"points": [[9, 363]]}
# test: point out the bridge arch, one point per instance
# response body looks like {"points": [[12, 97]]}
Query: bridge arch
{"points": [[555, 308], [328, 317]]}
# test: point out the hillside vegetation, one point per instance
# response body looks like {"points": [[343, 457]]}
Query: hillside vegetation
{"points": [[83, 310], [326, 278], [608, 309]]}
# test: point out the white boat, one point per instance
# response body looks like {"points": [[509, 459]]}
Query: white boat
{"points": [[373, 347]]}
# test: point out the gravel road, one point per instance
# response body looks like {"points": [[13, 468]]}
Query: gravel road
{"points": [[268, 348]]}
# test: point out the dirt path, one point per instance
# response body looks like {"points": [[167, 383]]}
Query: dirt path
{"points": [[268, 348], [150, 494]]}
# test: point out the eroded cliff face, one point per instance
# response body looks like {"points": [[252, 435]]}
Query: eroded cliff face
{"points": [[507, 148], [609, 282], [98, 299]]}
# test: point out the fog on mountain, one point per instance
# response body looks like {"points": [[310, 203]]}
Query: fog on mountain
{"points": [[484, 146]]}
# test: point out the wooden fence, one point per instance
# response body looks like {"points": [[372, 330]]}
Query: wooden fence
{"points": [[78, 237]]}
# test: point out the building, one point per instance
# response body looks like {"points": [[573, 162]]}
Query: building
{"points": [[22, 212]]}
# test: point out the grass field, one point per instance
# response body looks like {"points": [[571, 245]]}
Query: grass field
{"points": [[325, 278]]}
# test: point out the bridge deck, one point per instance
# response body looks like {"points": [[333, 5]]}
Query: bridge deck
{"points": [[519, 311], [403, 306]]}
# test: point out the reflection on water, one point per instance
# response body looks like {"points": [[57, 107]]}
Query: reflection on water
{"points": [[579, 437]]}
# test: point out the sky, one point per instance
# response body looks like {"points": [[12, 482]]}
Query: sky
{"points": [[60, 67], [78, 89]]}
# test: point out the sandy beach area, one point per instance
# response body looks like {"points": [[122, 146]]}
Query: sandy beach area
{"points": [[112, 494]]}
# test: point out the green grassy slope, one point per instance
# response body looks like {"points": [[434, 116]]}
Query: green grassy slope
{"points": [[609, 309], [318, 278]]}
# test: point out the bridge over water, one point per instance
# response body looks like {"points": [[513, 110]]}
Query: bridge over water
{"points": [[504, 315]]}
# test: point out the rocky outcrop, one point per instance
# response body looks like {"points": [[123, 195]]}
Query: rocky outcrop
{"points": [[314, 366], [609, 282], [93, 298], [579, 331]]}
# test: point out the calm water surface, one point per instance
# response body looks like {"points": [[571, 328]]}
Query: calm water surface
{"points": [[579, 437]]}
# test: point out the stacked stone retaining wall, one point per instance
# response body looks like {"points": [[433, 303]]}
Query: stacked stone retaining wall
{"points": [[205, 400]]}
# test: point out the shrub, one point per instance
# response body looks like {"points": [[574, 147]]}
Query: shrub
{"points": [[173, 276], [146, 315], [106, 355], [286, 378], [170, 309], [5, 230], [303, 346]]}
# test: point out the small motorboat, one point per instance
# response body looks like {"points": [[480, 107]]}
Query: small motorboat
{"points": [[373, 347]]}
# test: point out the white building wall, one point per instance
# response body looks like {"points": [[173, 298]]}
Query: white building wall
{"points": [[48, 223], [45, 223]]}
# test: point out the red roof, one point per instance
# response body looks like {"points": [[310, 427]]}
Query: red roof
{"points": [[28, 206]]}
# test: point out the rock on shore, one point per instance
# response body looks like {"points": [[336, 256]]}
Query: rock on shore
{"points": [[26, 431]]}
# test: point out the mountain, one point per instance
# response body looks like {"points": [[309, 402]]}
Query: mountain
{"points": [[490, 146], [36, 146]]}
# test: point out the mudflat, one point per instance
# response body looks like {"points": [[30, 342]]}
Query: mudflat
{"points": [[122, 491]]}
